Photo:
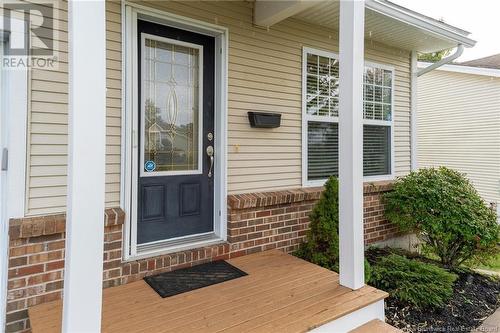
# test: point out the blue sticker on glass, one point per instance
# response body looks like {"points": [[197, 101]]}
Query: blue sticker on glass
{"points": [[149, 166]]}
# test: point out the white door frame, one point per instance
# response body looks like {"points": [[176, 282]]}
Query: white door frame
{"points": [[13, 124], [131, 12]]}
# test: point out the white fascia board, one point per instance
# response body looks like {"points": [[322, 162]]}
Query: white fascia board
{"points": [[420, 21], [464, 69], [268, 13]]}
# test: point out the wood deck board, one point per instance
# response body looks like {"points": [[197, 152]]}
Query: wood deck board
{"points": [[376, 326], [233, 292], [208, 315], [280, 293]]}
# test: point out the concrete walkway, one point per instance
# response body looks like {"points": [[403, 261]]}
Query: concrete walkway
{"points": [[490, 325], [487, 272]]}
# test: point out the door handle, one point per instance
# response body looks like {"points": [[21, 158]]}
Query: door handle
{"points": [[5, 159], [210, 154]]}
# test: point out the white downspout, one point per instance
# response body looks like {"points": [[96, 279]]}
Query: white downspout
{"points": [[415, 73], [413, 111], [444, 61]]}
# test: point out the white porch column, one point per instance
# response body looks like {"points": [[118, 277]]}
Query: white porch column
{"points": [[86, 166], [351, 48]]}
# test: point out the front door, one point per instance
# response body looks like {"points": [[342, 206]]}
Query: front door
{"points": [[176, 125]]}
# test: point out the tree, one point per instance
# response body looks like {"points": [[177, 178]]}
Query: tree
{"points": [[434, 56], [322, 241], [445, 211], [322, 245]]}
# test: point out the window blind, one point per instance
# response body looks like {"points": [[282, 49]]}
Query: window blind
{"points": [[376, 150], [323, 150]]}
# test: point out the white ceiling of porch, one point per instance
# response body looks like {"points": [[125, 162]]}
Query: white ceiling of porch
{"points": [[379, 28]]}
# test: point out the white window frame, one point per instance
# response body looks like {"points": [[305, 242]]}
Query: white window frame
{"points": [[306, 118], [129, 154]]}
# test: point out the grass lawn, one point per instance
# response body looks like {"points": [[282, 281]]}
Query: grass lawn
{"points": [[493, 264]]}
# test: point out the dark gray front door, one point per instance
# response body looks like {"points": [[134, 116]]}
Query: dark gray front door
{"points": [[176, 122]]}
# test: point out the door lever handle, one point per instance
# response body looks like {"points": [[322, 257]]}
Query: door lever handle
{"points": [[5, 159], [210, 153]]}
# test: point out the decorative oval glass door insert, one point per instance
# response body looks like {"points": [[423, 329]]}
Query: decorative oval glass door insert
{"points": [[171, 111]]}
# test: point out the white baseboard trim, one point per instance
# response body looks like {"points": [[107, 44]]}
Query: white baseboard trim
{"points": [[354, 319]]}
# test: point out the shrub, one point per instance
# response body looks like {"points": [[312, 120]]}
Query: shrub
{"points": [[420, 284], [368, 271], [322, 239], [445, 211]]}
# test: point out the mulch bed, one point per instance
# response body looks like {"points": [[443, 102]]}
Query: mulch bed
{"points": [[475, 297]]}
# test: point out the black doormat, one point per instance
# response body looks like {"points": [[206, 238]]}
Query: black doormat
{"points": [[191, 278]]}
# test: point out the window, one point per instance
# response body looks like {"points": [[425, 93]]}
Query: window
{"points": [[377, 115], [321, 111]]}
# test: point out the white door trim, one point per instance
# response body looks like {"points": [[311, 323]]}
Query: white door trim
{"points": [[13, 124], [131, 13], [14, 97]]}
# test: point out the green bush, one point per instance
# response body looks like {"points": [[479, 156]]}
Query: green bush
{"points": [[368, 271], [421, 284], [445, 211], [322, 240]]}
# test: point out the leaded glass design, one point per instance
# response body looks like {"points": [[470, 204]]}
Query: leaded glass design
{"points": [[171, 106]]}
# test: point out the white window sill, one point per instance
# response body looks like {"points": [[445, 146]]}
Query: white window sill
{"points": [[367, 179]]}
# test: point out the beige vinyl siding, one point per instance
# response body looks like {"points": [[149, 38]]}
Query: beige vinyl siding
{"points": [[459, 126], [48, 127], [264, 74], [48, 121]]}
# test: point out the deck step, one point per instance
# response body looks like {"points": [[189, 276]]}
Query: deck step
{"points": [[376, 326]]}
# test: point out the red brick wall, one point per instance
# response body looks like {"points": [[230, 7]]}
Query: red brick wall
{"points": [[256, 222], [270, 220], [377, 228]]}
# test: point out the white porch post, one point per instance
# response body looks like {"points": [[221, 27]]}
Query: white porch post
{"points": [[351, 47], [87, 132]]}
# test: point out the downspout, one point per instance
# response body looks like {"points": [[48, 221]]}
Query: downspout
{"points": [[458, 53], [415, 73], [413, 111]]}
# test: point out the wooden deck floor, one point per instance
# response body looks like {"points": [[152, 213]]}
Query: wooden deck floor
{"points": [[280, 294]]}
